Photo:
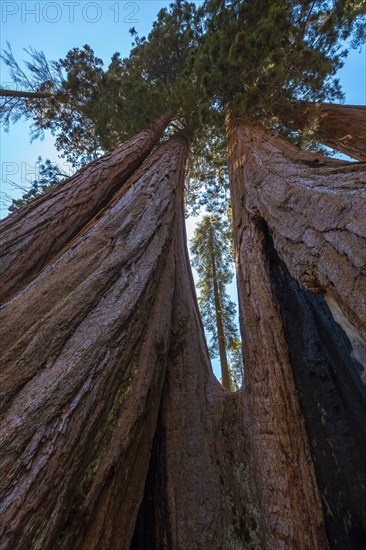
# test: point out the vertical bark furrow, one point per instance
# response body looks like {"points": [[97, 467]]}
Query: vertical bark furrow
{"points": [[283, 474], [115, 253], [83, 378], [188, 420], [197, 493], [312, 207], [332, 400], [32, 236], [315, 207]]}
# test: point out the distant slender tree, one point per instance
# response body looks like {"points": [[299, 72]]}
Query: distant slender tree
{"points": [[236, 365], [212, 258]]}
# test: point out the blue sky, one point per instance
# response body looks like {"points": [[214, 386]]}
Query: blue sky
{"points": [[57, 26]]}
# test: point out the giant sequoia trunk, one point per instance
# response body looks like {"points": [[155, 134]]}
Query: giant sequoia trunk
{"points": [[341, 127], [300, 237], [114, 432], [84, 358], [36, 233], [113, 428]]}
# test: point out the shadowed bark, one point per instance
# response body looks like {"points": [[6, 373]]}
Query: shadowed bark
{"points": [[104, 352], [341, 127], [203, 486], [83, 370], [36, 233], [332, 396], [302, 213], [24, 94]]}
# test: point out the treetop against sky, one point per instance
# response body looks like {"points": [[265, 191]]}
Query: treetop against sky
{"points": [[56, 27]]}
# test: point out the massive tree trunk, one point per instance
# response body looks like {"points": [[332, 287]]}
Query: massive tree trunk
{"points": [[115, 434], [202, 489], [315, 207], [341, 127], [84, 358], [109, 408], [36, 233], [299, 229]]}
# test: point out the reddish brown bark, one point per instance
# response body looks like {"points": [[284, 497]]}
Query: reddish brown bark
{"points": [[198, 492], [315, 207], [207, 480], [287, 491], [83, 370], [300, 213], [104, 338], [341, 127], [113, 428], [36, 233]]}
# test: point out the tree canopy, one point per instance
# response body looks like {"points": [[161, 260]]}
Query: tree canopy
{"points": [[256, 55]]}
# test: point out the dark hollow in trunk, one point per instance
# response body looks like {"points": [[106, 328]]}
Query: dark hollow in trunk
{"points": [[332, 398], [114, 432]]}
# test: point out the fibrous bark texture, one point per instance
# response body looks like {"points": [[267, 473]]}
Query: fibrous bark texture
{"points": [[299, 228], [114, 434], [109, 409], [341, 127], [315, 206], [84, 357], [36, 233]]}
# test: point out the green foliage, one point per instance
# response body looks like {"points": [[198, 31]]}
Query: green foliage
{"points": [[207, 181], [65, 96], [261, 54], [91, 110], [256, 55], [49, 175], [211, 251]]}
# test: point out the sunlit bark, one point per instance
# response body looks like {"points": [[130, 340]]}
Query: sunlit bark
{"points": [[35, 234], [341, 127]]}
